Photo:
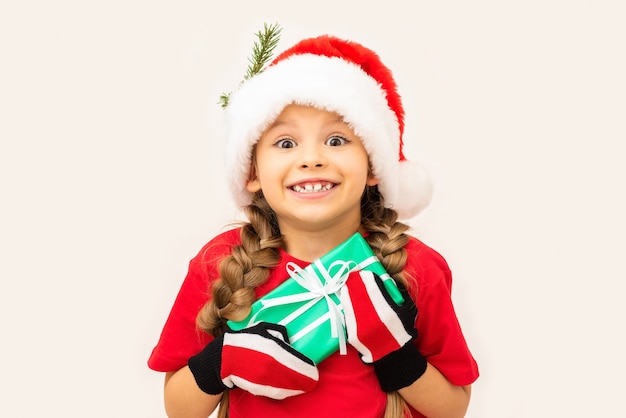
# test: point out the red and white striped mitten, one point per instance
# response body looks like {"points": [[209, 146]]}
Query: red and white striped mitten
{"points": [[381, 330], [257, 359]]}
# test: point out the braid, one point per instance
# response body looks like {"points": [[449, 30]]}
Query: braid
{"points": [[244, 269], [240, 273], [387, 238], [386, 235]]}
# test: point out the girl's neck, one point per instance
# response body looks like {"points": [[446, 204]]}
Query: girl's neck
{"points": [[310, 245]]}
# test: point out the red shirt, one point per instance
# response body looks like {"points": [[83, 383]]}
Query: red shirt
{"points": [[347, 387]]}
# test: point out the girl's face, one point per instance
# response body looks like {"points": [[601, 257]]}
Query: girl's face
{"points": [[312, 169]]}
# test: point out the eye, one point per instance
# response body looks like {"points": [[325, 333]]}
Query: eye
{"points": [[336, 141], [285, 143]]}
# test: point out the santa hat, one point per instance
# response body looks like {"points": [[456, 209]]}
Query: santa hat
{"points": [[334, 75]]}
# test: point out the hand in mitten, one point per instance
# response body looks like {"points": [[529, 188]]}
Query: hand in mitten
{"points": [[381, 330], [257, 359]]}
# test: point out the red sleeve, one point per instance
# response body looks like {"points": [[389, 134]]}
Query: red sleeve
{"points": [[440, 338], [180, 337]]}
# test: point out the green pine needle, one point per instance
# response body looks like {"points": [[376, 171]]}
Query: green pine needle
{"points": [[267, 39]]}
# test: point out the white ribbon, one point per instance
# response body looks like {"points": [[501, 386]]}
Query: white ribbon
{"points": [[333, 280]]}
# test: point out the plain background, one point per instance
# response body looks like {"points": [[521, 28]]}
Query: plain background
{"points": [[111, 180]]}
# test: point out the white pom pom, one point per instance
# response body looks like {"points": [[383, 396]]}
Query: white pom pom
{"points": [[414, 191]]}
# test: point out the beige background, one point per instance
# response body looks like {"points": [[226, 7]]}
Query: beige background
{"points": [[111, 180]]}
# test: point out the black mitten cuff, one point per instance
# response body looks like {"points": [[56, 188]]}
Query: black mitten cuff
{"points": [[206, 366], [400, 368]]}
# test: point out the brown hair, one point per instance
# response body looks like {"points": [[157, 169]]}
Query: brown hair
{"points": [[249, 265]]}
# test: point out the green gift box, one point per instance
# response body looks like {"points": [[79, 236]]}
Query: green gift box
{"points": [[307, 303]]}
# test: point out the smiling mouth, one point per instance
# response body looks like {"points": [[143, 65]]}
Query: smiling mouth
{"points": [[312, 187]]}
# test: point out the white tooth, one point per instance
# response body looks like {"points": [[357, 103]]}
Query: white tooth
{"points": [[311, 188]]}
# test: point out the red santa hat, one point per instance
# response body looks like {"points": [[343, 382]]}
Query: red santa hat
{"points": [[339, 76]]}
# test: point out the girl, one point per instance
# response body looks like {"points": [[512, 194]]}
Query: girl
{"points": [[314, 154]]}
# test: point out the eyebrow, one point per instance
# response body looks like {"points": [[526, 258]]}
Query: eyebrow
{"points": [[276, 123]]}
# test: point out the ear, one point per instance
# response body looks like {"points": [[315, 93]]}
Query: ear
{"points": [[371, 180], [253, 185]]}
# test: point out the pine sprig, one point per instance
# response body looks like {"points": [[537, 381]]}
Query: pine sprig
{"points": [[263, 49], [262, 52]]}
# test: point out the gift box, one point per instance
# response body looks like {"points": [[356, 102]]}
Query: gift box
{"points": [[307, 303]]}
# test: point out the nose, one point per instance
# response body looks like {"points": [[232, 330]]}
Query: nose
{"points": [[312, 156]]}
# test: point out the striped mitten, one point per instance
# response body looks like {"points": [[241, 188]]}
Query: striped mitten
{"points": [[256, 359], [382, 331]]}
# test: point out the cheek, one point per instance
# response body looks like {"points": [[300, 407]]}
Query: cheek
{"points": [[266, 171]]}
